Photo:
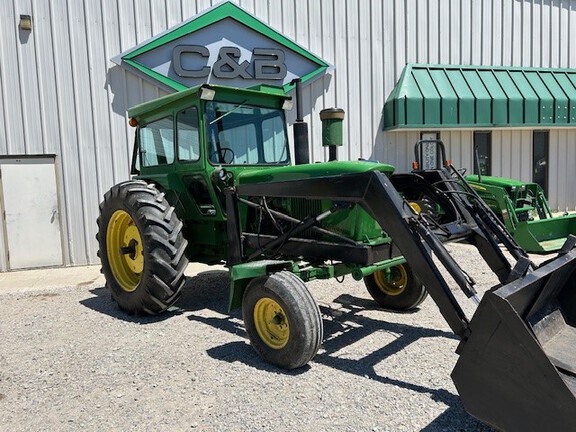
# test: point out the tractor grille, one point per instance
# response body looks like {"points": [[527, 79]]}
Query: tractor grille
{"points": [[301, 208]]}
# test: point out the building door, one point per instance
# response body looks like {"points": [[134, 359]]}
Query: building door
{"points": [[30, 212]]}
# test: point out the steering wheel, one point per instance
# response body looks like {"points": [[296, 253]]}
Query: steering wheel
{"points": [[222, 154]]}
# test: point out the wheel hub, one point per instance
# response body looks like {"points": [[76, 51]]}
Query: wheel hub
{"points": [[125, 250], [271, 323], [392, 281]]}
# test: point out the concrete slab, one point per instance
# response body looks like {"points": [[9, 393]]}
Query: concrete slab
{"points": [[68, 277]]}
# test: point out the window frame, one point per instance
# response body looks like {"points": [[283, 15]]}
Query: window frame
{"points": [[139, 138], [488, 154], [546, 134], [258, 132], [177, 135]]}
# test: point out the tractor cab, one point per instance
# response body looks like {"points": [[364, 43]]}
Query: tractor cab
{"points": [[193, 143]]}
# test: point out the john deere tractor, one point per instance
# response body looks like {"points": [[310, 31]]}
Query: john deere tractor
{"points": [[213, 183], [523, 208]]}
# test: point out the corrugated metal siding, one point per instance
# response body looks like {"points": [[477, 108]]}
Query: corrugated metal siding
{"points": [[60, 94]]}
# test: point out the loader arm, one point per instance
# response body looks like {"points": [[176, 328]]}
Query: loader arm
{"points": [[411, 234], [517, 365]]}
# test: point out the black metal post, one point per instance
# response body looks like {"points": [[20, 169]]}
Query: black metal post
{"points": [[301, 151]]}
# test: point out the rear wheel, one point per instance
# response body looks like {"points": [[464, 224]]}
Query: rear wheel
{"points": [[282, 320], [141, 248], [396, 288]]}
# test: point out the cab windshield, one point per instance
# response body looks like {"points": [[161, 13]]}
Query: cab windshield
{"points": [[240, 134]]}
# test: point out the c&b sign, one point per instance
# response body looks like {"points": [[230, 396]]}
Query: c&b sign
{"points": [[224, 45]]}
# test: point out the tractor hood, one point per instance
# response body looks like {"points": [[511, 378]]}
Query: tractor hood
{"points": [[301, 172], [496, 181]]}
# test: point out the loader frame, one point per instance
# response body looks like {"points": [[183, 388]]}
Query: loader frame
{"points": [[354, 218]]}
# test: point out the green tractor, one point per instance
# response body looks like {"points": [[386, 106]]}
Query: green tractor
{"points": [[524, 210], [192, 146], [213, 183]]}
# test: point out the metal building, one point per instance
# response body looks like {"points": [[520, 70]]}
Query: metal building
{"points": [[64, 138]]}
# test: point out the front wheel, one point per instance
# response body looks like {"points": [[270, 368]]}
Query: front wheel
{"points": [[396, 288], [282, 320], [141, 247]]}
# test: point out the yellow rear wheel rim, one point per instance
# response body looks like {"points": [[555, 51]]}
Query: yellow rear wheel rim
{"points": [[271, 323], [392, 281], [124, 250], [416, 207]]}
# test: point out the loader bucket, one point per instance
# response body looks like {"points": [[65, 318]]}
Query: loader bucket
{"points": [[517, 368], [545, 235]]}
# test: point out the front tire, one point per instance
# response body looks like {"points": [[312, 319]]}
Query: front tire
{"points": [[282, 320], [141, 248], [396, 288]]}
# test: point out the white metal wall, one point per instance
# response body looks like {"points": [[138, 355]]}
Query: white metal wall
{"points": [[60, 94]]}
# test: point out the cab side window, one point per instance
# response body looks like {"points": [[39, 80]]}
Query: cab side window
{"points": [[157, 142], [187, 135]]}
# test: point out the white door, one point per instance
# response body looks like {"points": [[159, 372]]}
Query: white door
{"points": [[31, 216]]}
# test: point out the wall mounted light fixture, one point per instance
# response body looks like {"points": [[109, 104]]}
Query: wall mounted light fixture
{"points": [[25, 22]]}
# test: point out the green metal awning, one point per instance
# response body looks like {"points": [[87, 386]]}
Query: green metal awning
{"points": [[455, 96]]}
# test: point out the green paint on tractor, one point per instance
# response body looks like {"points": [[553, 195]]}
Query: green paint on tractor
{"points": [[239, 137], [525, 211], [213, 183]]}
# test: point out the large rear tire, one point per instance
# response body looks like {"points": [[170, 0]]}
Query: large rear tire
{"points": [[282, 320], [141, 248], [396, 288]]}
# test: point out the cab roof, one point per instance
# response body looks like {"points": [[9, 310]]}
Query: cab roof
{"points": [[263, 94]]}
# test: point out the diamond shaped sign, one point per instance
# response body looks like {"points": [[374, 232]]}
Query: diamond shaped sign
{"points": [[224, 45]]}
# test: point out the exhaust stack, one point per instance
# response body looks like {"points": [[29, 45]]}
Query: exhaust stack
{"points": [[301, 150]]}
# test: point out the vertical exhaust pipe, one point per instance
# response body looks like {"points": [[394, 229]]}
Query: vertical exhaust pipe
{"points": [[301, 150]]}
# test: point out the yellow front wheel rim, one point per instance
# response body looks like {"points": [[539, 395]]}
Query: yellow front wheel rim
{"points": [[124, 250], [271, 323], [392, 281]]}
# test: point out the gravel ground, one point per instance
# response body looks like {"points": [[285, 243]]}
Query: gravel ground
{"points": [[70, 360]]}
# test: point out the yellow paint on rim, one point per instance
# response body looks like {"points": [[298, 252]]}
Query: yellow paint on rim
{"points": [[416, 207], [392, 281], [271, 323], [124, 250]]}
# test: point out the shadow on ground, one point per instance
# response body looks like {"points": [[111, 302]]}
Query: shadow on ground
{"points": [[344, 324], [206, 290]]}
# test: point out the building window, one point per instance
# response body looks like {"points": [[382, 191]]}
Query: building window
{"points": [[483, 152], [540, 148]]}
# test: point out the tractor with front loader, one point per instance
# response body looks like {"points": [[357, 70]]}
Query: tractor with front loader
{"points": [[213, 182], [524, 210], [521, 206]]}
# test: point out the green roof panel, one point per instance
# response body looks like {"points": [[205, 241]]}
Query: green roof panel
{"points": [[456, 96], [546, 101], [498, 97], [568, 88], [465, 98], [560, 99], [448, 99], [513, 96], [531, 100], [431, 98], [483, 102]]}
